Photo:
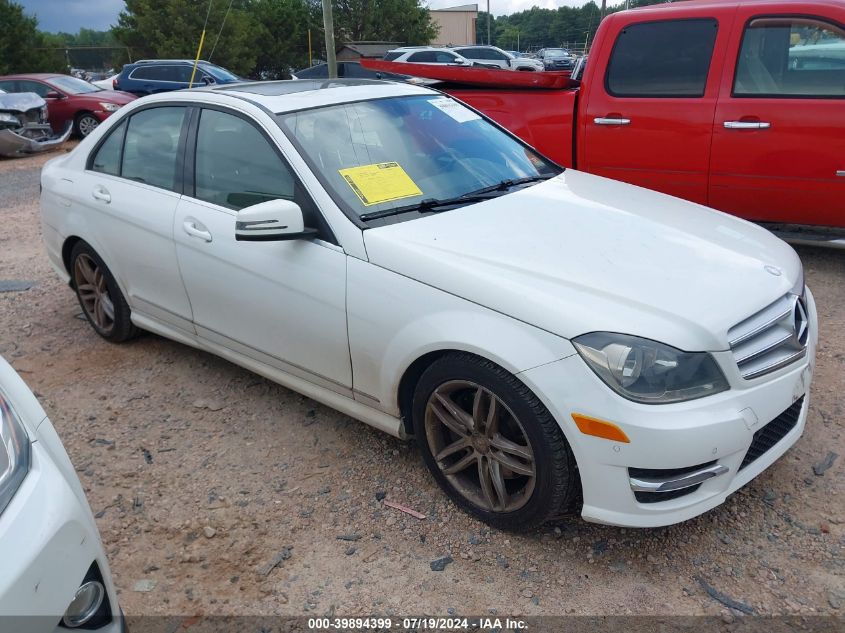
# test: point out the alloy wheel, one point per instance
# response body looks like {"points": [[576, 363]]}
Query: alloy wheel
{"points": [[93, 292], [480, 446], [87, 124]]}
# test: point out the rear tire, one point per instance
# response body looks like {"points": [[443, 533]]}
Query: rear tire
{"points": [[492, 445], [99, 295]]}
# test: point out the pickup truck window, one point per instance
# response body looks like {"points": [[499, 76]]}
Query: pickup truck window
{"points": [[792, 58], [670, 58]]}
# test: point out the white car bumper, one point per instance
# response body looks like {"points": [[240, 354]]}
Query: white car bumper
{"points": [[48, 543], [709, 432]]}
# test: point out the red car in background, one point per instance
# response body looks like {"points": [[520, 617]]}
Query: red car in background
{"points": [[69, 100]]}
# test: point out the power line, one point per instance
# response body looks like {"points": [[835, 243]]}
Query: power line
{"points": [[222, 24]]}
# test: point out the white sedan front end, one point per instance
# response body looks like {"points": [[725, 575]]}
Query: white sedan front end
{"points": [[55, 576]]}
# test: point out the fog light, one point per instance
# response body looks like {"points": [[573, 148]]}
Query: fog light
{"points": [[85, 604]]}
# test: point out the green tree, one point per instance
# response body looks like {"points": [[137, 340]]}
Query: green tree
{"points": [[405, 21], [172, 28], [22, 46], [281, 36]]}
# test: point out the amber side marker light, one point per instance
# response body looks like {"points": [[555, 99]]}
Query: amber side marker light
{"points": [[600, 428]]}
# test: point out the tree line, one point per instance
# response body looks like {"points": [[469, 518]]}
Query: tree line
{"points": [[535, 28], [265, 38]]}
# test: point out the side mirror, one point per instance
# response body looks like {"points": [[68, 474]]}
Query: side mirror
{"points": [[208, 80], [271, 221], [54, 95]]}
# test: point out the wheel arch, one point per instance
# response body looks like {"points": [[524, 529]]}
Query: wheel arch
{"points": [[67, 249], [408, 384]]}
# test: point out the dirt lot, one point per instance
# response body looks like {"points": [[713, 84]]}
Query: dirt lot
{"points": [[201, 473]]}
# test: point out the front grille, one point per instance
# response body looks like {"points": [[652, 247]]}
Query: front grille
{"points": [[31, 116], [773, 432], [772, 338], [664, 473]]}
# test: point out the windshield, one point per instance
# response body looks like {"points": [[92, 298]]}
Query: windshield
{"points": [[73, 86], [388, 155], [219, 73], [555, 52]]}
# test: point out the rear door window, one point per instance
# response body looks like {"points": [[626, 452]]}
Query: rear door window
{"points": [[792, 58], [670, 58], [107, 158], [424, 57], [145, 72], [151, 146]]}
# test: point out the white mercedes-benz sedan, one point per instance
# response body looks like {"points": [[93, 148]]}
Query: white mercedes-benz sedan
{"points": [[554, 341], [54, 575]]}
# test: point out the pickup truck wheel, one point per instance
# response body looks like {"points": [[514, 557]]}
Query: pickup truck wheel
{"points": [[491, 444], [85, 124], [102, 302]]}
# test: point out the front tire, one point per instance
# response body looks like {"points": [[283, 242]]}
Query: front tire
{"points": [[492, 445], [85, 124], [99, 296]]}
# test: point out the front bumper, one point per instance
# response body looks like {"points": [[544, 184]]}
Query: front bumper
{"points": [[13, 144], [716, 431], [48, 541]]}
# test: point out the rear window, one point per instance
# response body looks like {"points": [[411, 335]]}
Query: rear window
{"points": [[791, 57], [662, 59]]}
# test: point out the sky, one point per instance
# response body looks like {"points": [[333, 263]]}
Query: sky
{"points": [[71, 15]]}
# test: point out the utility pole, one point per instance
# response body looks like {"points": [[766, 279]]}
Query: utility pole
{"points": [[603, 9], [328, 26], [488, 23]]}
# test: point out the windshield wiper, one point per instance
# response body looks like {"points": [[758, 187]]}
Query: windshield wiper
{"points": [[429, 204], [504, 185], [434, 205]]}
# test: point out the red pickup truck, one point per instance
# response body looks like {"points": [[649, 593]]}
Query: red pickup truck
{"points": [[735, 104]]}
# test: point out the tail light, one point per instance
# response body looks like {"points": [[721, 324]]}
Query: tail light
{"points": [[114, 83]]}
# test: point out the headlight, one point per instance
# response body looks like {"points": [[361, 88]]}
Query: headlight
{"points": [[6, 117], [110, 107], [647, 371], [14, 452]]}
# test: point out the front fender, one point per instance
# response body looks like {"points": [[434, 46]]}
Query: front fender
{"points": [[394, 320]]}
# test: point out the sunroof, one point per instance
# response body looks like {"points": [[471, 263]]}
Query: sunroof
{"points": [[285, 87]]}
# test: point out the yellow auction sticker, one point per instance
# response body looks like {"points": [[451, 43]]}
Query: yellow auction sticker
{"points": [[380, 182]]}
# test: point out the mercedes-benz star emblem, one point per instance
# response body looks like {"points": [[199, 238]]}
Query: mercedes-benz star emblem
{"points": [[800, 323]]}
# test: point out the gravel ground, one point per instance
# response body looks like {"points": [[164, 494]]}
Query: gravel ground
{"points": [[217, 492]]}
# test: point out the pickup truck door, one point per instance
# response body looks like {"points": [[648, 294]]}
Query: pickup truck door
{"points": [[651, 99], [779, 133]]}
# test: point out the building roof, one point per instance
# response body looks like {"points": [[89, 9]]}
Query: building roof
{"points": [[467, 8]]}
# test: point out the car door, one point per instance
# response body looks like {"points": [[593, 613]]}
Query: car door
{"points": [[130, 190], [282, 303], [779, 132], [649, 120]]}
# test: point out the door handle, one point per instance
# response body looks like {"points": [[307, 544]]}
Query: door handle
{"points": [[840, 173], [193, 230], [747, 125], [102, 194], [611, 121]]}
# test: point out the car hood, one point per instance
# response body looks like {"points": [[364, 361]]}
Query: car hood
{"points": [[580, 253], [109, 96], [20, 101]]}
